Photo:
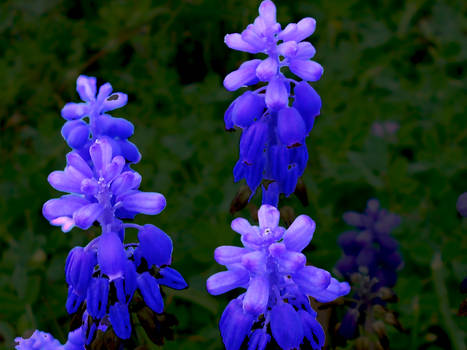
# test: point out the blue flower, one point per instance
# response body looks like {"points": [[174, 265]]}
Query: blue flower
{"points": [[102, 188], [80, 135], [98, 192], [278, 283], [275, 118], [461, 204], [44, 341], [370, 248]]}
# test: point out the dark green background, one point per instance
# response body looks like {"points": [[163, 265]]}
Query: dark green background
{"points": [[403, 61]]}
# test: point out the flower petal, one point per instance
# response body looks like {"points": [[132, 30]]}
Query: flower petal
{"points": [[300, 233], [306, 69], [101, 154], [312, 330], [85, 216], [267, 11], [242, 76], [114, 101], [226, 255], [151, 292], [257, 295], [242, 226], [224, 281], [172, 278], [75, 133], [120, 320], [235, 42], [234, 325], [308, 103], [247, 108], [277, 96], [86, 88], [150, 203], [268, 216], [129, 180], [291, 127], [312, 279], [335, 290], [97, 296], [286, 327], [155, 245], [111, 255], [267, 69]]}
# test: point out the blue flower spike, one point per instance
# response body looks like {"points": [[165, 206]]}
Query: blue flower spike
{"points": [[278, 284], [276, 118], [102, 188]]}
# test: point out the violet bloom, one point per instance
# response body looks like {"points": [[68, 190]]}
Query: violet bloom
{"points": [[275, 118], [81, 135], [278, 284], [45, 341], [369, 247], [461, 204], [102, 188]]}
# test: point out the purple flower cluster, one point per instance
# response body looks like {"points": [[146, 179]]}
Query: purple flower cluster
{"points": [[370, 260], [370, 248], [101, 187], [275, 118], [278, 284]]}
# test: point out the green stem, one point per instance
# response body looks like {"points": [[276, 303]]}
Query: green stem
{"points": [[455, 334]]}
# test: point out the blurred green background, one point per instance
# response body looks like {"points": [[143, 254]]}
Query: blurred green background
{"points": [[401, 61]]}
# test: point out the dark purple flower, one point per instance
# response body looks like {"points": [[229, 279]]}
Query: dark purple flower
{"points": [[275, 118], [278, 283]]}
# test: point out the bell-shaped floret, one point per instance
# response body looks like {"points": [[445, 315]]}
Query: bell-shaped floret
{"points": [[312, 330], [120, 320], [287, 261], [73, 111], [101, 154], [461, 204], [235, 324], [236, 42], [75, 133], [306, 69], [257, 295], [286, 326], [60, 211], [73, 300], [267, 69], [222, 282], [150, 291], [245, 75], [150, 203], [155, 245], [300, 233], [252, 143], [297, 32], [114, 101], [114, 127], [171, 278], [291, 127], [85, 216], [126, 285], [259, 339], [308, 103], [111, 255], [349, 324], [97, 296], [277, 96], [268, 217], [79, 267], [86, 88], [227, 255], [126, 181], [311, 279], [334, 290], [248, 108]]}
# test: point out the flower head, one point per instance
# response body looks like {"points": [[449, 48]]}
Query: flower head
{"points": [[275, 118], [278, 283]]}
